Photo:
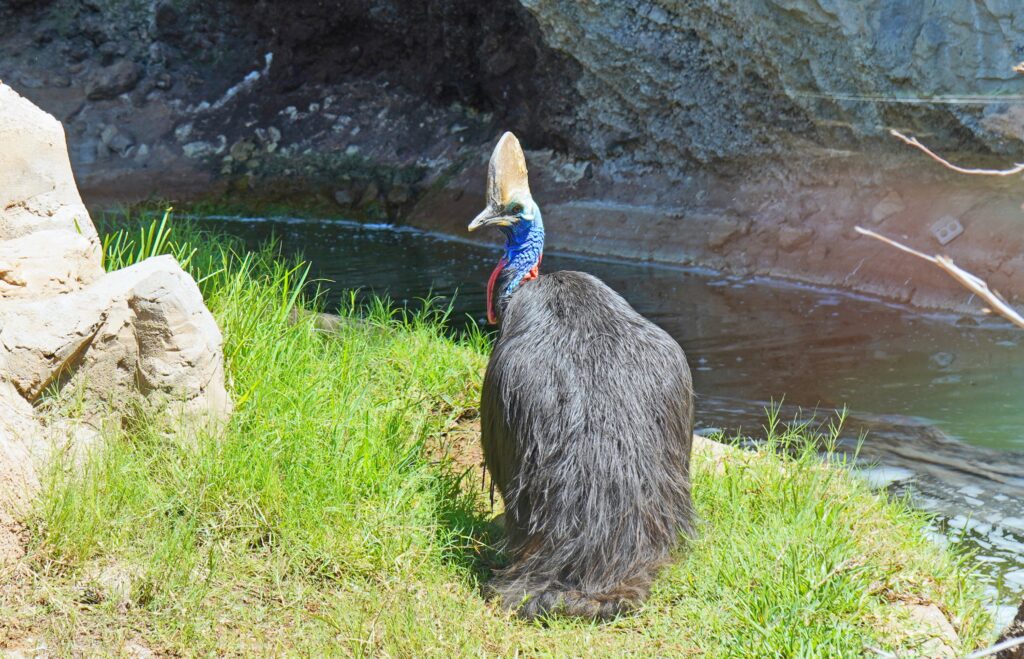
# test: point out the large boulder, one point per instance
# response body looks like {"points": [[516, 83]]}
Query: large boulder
{"points": [[143, 329], [141, 334]]}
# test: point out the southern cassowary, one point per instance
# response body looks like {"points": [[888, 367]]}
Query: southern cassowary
{"points": [[586, 420]]}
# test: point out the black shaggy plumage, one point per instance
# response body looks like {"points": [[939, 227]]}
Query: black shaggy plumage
{"points": [[587, 414]]}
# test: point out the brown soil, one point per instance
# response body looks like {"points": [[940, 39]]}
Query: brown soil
{"points": [[458, 447]]}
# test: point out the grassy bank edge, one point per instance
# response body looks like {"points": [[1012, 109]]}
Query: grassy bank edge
{"points": [[338, 513]]}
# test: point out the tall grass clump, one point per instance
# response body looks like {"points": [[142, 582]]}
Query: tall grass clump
{"points": [[124, 247], [320, 521]]}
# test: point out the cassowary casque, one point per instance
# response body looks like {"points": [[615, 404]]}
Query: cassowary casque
{"points": [[586, 420]]}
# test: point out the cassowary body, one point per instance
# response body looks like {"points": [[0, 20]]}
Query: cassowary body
{"points": [[586, 425]]}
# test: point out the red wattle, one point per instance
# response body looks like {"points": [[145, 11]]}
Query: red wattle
{"points": [[492, 319], [534, 271]]}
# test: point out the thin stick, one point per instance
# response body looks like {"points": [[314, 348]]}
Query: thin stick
{"points": [[890, 241], [985, 652], [966, 279], [998, 647], [912, 141]]}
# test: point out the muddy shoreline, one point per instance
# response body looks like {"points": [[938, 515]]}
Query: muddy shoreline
{"points": [[796, 225]]}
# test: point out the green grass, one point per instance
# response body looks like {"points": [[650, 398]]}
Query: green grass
{"points": [[318, 522]]}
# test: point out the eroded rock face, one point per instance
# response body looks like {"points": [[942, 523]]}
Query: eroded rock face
{"points": [[139, 334], [675, 122], [671, 82]]}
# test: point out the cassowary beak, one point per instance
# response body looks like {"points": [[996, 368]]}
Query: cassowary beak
{"points": [[490, 218]]}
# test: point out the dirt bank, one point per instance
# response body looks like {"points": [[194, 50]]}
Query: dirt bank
{"points": [[673, 134]]}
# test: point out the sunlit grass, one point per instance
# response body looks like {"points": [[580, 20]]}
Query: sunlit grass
{"points": [[317, 523]]}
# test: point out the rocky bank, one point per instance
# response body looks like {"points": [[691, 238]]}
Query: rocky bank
{"points": [[749, 137]]}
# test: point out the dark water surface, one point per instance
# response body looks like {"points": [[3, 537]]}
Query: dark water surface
{"points": [[938, 395]]}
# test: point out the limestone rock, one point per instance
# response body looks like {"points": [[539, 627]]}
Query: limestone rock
{"points": [[116, 139], [48, 245], [139, 334], [37, 188], [176, 346], [716, 453], [41, 339], [142, 328], [940, 637], [46, 263]]}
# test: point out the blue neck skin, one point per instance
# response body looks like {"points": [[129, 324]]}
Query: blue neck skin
{"points": [[524, 243]]}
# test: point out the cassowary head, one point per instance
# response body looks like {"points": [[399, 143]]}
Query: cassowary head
{"points": [[511, 208]]}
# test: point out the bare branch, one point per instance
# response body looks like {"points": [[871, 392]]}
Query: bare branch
{"points": [[998, 647], [890, 241], [966, 279], [912, 141]]}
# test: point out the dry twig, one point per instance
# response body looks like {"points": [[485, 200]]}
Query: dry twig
{"points": [[912, 141], [997, 648], [985, 652], [966, 279]]}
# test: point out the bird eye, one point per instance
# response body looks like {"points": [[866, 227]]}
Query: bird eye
{"points": [[515, 208]]}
